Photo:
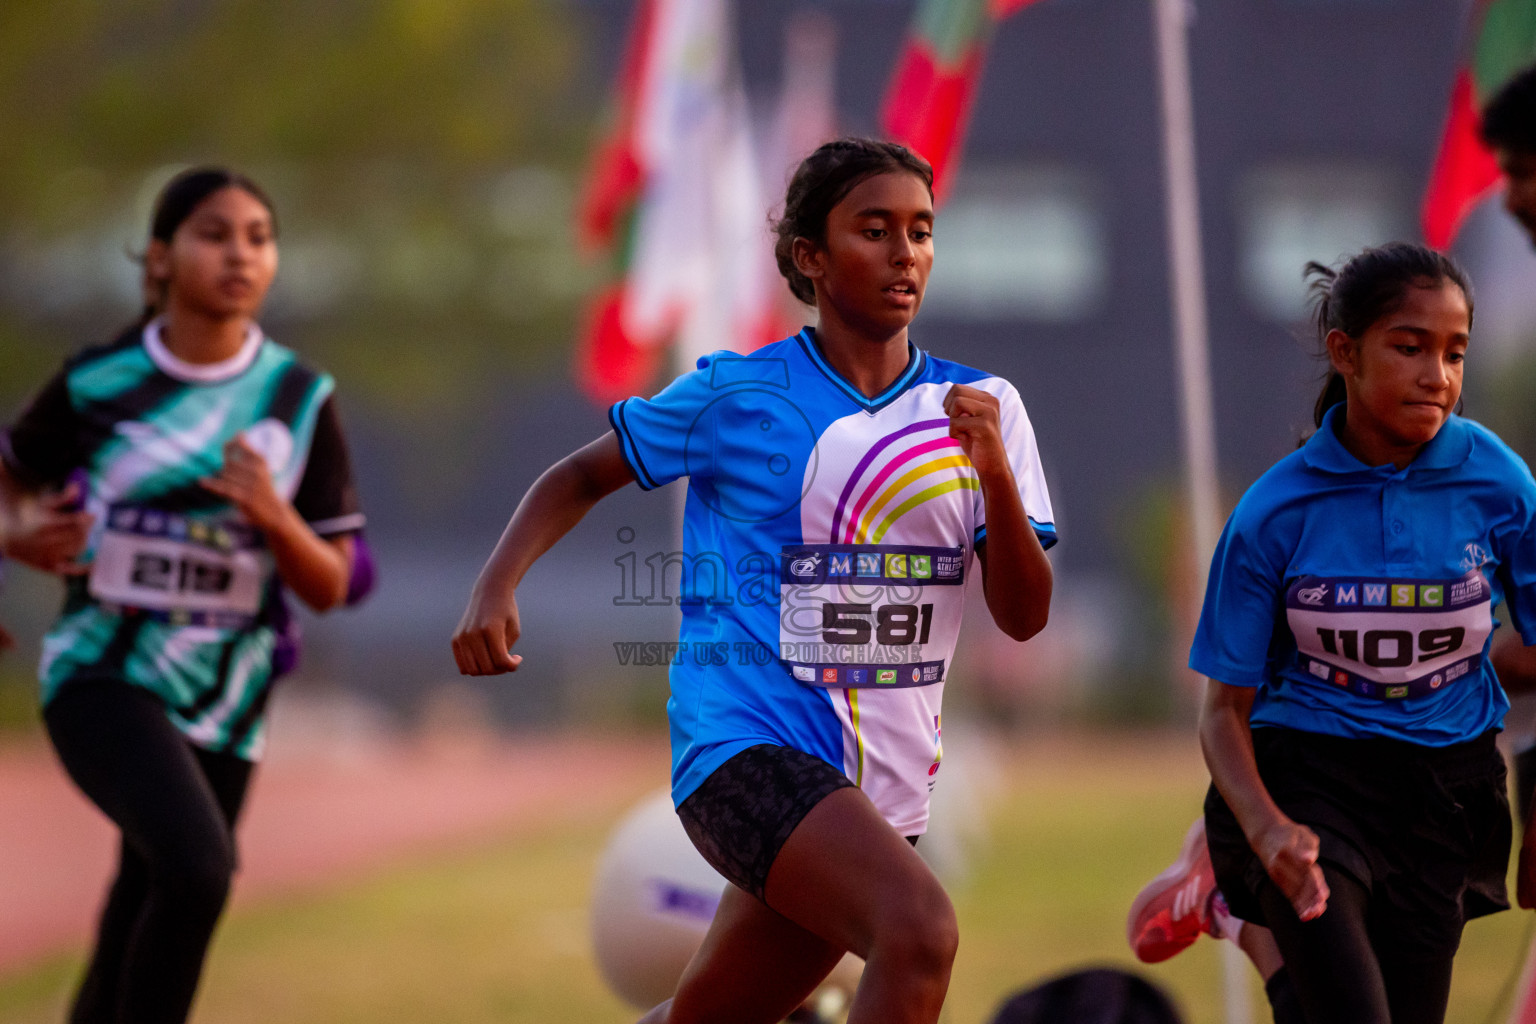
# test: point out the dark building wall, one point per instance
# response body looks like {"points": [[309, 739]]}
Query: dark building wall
{"points": [[1072, 84]]}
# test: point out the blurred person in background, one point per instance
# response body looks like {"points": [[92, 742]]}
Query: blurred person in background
{"points": [[1509, 129], [184, 475], [836, 476]]}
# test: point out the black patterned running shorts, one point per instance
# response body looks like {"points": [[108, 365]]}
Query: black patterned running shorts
{"points": [[741, 815]]}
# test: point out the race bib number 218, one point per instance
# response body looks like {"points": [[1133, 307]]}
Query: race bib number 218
{"points": [[184, 570]]}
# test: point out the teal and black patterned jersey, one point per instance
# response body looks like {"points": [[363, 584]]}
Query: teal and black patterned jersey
{"points": [[182, 595]]}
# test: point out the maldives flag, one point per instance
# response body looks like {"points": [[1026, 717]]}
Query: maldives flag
{"points": [[674, 193], [1503, 41], [610, 361], [938, 72]]}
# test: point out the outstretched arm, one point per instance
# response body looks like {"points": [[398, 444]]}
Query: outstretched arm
{"points": [[1015, 574], [1287, 850], [555, 503]]}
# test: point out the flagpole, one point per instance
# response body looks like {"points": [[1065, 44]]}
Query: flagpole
{"points": [[1192, 348]]}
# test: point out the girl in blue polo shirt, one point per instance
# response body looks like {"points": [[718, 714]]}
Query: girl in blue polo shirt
{"points": [[1358, 804]]}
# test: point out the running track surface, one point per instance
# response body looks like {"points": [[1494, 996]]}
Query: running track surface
{"points": [[315, 816]]}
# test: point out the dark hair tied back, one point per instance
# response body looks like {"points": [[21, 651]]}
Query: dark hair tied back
{"points": [[1366, 288], [820, 183], [177, 201], [186, 192]]}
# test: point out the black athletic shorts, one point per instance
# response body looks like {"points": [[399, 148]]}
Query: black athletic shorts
{"points": [[1426, 830], [741, 815]]}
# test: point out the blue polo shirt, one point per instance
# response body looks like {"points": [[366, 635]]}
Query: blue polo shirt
{"points": [[1358, 599]]}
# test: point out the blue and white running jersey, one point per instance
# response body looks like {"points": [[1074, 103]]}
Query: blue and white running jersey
{"points": [[182, 597], [1359, 600], [829, 538]]}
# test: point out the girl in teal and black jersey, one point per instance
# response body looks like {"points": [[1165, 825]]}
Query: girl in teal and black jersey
{"points": [[180, 478]]}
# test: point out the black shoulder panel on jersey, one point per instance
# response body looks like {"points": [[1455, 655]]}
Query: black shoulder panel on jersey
{"points": [[292, 388], [127, 338]]}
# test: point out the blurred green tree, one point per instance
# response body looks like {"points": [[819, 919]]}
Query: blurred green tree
{"points": [[420, 154]]}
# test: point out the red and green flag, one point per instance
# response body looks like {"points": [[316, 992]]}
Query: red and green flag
{"points": [[1503, 40], [673, 197], [928, 103], [610, 360]]}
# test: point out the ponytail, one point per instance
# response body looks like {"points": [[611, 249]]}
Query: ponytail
{"points": [[1366, 288], [1332, 394]]}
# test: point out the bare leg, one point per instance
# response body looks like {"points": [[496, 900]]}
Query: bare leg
{"points": [[1259, 943], [844, 880], [755, 965]]}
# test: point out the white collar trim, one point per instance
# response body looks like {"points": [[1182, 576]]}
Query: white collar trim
{"points": [[201, 373]]}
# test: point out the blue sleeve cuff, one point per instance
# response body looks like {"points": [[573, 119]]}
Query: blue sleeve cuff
{"points": [[1225, 673], [627, 447], [1045, 531]]}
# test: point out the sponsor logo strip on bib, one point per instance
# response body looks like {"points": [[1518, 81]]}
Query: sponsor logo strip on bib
{"points": [[923, 673], [872, 565], [1389, 639]]}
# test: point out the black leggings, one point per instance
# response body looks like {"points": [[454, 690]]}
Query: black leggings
{"points": [[176, 806], [1345, 972]]}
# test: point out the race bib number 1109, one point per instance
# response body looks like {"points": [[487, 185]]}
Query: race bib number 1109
{"points": [[1389, 639]]}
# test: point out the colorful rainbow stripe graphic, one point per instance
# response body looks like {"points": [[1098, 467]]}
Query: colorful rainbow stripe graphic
{"points": [[852, 697], [900, 465]]}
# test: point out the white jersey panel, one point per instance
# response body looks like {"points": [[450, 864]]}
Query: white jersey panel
{"points": [[1023, 456], [895, 493]]}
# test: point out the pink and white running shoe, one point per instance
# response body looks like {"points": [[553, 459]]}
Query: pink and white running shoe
{"points": [[1172, 910]]}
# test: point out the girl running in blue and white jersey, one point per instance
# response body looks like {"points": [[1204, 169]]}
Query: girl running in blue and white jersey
{"points": [[213, 476], [840, 481], [1358, 805]]}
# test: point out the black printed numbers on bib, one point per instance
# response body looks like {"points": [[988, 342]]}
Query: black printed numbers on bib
{"points": [[1391, 648], [183, 570], [1389, 639], [892, 625]]}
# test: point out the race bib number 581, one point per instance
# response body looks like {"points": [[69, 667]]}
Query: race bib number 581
{"points": [[877, 615]]}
